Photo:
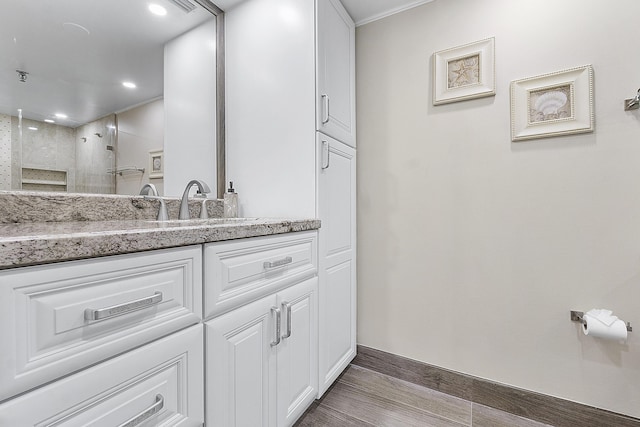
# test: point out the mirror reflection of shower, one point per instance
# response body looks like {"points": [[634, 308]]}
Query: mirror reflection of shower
{"points": [[51, 157]]}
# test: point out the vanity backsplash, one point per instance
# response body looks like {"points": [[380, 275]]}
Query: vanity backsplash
{"points": [[24, 206]]}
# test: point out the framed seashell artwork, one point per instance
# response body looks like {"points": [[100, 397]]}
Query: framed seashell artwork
{"points": [[554, 104], [156, 164], [464, 72]]}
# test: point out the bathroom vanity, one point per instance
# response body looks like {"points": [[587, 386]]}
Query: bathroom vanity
{"points": [[109, 317], [156, 316]]}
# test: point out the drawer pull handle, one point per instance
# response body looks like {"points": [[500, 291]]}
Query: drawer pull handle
{"points": [[286, 307], [120, 309], [278, 263], [275, 312], [146, 414]]}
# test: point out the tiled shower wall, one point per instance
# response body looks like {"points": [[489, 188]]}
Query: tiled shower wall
{"points": [[93, 159], [50, 147], [58, 148], [5, 152]]}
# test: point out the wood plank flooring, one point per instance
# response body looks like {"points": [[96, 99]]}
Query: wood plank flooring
{"points": [[361, 397]]}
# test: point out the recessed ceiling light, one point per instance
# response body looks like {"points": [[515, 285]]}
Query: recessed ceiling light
{"points": [[156, 9], [49, 121], [32, 128], [129, 85], [60, 115]]}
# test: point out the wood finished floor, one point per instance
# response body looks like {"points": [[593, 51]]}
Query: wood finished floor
{"points": [[361, 397]]}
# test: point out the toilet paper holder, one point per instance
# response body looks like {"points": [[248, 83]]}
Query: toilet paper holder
{"points": [[578, 316]]}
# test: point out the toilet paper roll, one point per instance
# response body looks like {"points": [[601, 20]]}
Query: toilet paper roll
{"points": [[616, 331]]}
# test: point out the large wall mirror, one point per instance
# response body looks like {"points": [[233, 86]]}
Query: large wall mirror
{"points": [[105, 96]]}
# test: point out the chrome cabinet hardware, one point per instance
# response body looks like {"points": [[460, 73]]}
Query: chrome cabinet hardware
{"points": [[275, 313], [325, 108], [120, 309], [278, 263], [146, 414], [286, 308], [326, 153]]}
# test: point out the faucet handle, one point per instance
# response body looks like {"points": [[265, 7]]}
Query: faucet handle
{"points": [[163, 215], [203, 210]]}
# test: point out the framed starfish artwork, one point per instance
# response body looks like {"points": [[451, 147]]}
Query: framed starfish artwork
{"points": [[464, 72]]}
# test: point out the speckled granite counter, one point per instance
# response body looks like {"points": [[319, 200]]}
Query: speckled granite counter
{"points": [[36, 243], [38, 228]]}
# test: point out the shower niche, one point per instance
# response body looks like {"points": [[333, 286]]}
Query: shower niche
{"points": [[44, 179]]}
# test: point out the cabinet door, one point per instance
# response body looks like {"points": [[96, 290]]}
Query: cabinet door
{"points": [[335, 98], [337, 256], [241, 366], [297, 355]]}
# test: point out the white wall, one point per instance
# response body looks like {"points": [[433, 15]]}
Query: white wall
{"points": [[140, 130], [473, 249], [190, 109]]}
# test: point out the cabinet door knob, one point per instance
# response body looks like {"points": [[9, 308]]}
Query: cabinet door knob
{"points": [[286, 307], [325, 108], [275, 313]]}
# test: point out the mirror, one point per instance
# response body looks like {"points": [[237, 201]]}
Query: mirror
{"points": [[105, 96]]}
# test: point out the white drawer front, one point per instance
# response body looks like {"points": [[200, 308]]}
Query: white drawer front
{"points": [[62, 317], [240, 271], [160, 384]]}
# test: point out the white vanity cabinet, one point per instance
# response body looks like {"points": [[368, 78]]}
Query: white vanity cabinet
{"points": [[261, 354], [159, 384], [335, 86], [59, 318], [261, 360]]}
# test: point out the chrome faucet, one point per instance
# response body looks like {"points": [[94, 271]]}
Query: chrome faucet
{"points": [[163, 215], [184, 204], [149, 188]]}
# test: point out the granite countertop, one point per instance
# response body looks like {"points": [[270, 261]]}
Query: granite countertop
{"points": [[32, 243]]}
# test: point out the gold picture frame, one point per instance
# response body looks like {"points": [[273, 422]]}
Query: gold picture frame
{"points": [[554, 104], [464, 72]]}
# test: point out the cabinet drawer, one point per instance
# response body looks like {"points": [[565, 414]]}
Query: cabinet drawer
{"points": [[159, 384], [59, 318], [237, 272]]}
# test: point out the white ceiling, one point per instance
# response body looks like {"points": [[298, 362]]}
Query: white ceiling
{"points": [[364, 11], [361, 11], [76, 52]]}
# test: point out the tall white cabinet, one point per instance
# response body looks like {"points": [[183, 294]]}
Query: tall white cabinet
{"points": [[337, 258], [291, 139], [335, 97]]}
